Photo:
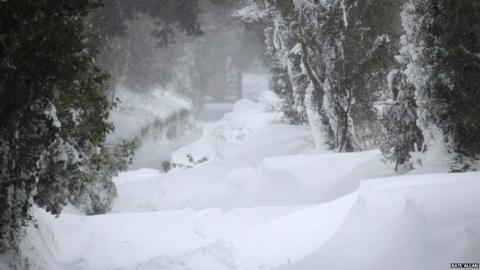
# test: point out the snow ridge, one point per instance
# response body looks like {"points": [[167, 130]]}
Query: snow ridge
{"points": [[269, 201]]}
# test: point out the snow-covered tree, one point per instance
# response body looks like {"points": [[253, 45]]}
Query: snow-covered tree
{"points": [[442, 44], [372, 40], [284, 51], [402, 135], [333, 67], [53, 111]]}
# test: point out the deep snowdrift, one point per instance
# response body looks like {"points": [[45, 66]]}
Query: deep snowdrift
{"points": [[265, 200]]}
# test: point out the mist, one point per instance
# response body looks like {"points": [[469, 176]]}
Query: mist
{"points": [[211, 69]]}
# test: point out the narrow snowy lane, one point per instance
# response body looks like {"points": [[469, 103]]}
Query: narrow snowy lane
{"points": [[263, 199], [239, 134]]}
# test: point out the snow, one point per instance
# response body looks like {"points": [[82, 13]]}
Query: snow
{"points": [[136, 111], [265, 199], [297, 49], [413, 222], [223, 138], [250, 13], [160, 120], [51, 114]]}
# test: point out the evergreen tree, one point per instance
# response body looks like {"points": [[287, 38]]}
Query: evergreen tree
{"points": [[442, 42], [316, 31], [285, 63], [338, 99], [53, 112], [333, 57], [402, 135], [343, 50], [372, 40]]}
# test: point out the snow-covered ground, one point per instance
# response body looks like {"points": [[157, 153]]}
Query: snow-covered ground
{"points": [[258, 197], [137, 113], [160, 120]]}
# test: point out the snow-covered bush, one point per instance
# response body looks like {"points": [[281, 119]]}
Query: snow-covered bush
{"points": [[98, 192], [53, 110]]}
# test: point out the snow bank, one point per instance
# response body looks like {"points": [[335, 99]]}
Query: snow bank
{"points": [[250, 154], [212, 184], [136, 113], [412, 222], [159, 120], [409, 222], [223, 139], [125, 240], [263, 203]]}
